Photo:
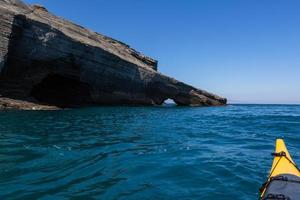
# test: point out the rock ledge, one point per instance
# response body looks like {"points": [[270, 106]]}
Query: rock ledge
{"points": [[47, 60]]}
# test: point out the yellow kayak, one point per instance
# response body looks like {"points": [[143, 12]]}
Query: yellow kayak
{"points": [[283, 182]]}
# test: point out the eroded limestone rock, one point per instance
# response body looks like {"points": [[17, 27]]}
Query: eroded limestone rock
{"points": [[58, 62]]}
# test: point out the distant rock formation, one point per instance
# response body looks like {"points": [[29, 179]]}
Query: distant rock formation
{"points": [[47, 60]]}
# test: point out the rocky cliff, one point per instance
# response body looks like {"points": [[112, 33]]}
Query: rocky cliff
{"points": [[47, 60]]}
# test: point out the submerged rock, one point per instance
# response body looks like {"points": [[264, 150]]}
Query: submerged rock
{"points": [[47, 59]]}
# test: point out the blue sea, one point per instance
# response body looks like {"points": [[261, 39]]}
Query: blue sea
{"points": [[165, 152]]}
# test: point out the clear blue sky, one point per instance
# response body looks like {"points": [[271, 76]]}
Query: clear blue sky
{"points": [[247, 51]]}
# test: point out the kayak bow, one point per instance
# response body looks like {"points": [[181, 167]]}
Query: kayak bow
{"points": [[284, 178]]}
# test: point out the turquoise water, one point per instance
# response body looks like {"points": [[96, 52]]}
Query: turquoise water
{"points": [[142, 152]]}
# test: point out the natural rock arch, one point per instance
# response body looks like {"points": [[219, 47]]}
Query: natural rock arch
{"points": [[35, 44], [169, 101]]}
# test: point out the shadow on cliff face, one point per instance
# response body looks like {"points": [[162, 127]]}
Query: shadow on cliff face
{"points": [[62, 91], [46, 81], [53, 68]]}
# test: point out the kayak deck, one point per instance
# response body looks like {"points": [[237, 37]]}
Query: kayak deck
{"points": [[284, 176], [283, 164]]}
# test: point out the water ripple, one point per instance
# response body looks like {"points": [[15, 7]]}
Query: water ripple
{"points": [[142, 153]]}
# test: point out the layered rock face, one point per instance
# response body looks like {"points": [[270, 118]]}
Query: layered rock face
{"points": [[52, 61]]}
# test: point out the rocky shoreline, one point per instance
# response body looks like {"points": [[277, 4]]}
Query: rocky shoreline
{"points": [[17, 104], [47, 60]]}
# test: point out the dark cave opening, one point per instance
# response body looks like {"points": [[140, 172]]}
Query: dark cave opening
{"points": [[62, 91]]}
